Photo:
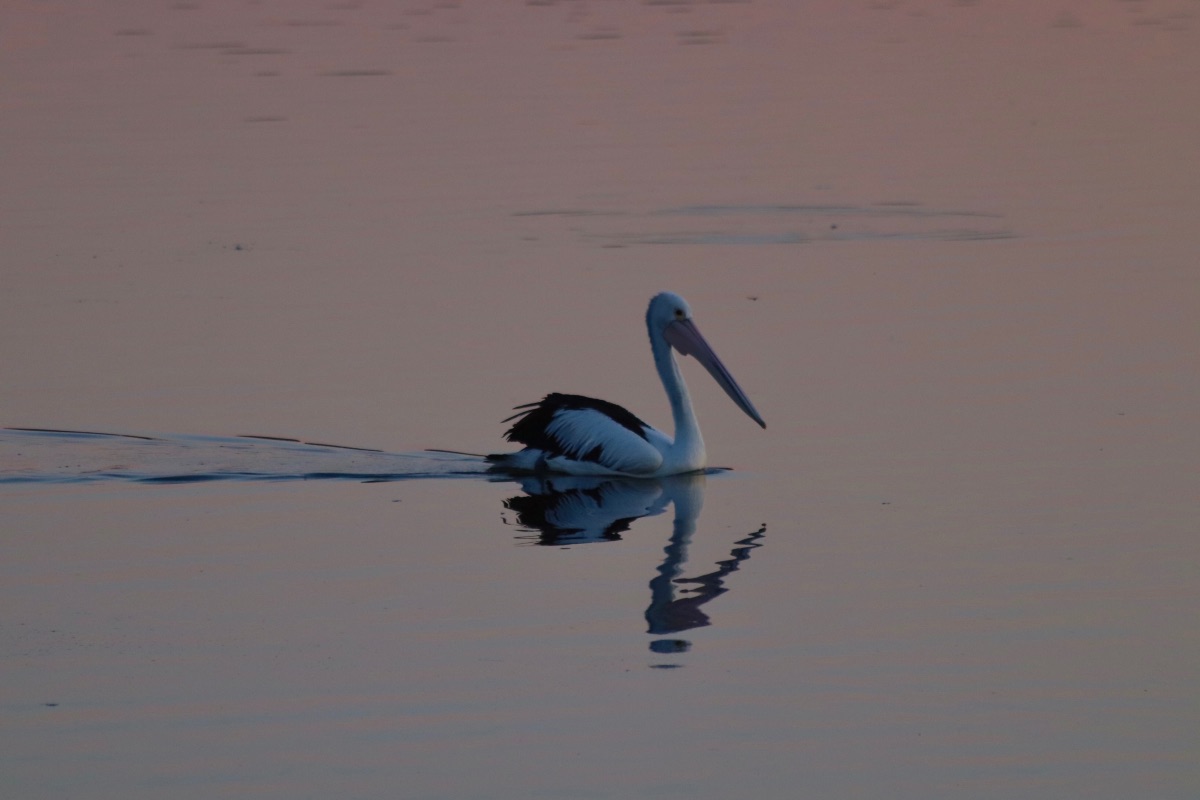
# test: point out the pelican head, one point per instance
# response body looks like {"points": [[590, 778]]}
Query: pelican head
{"points": [[669, 319]]}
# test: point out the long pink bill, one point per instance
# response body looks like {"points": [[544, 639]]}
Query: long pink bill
{"points": [[685, 337]]}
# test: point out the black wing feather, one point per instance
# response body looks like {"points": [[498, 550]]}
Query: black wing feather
{"points": [[533, 422]]}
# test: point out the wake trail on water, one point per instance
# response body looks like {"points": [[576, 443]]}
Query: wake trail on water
{"points": [[49, 456]]}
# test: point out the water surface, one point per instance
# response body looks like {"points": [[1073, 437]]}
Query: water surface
{"points": [[947, 248]]}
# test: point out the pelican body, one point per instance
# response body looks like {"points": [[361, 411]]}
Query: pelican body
{"points": [[577, 435]]}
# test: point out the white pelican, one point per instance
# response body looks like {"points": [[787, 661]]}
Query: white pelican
{"points": [[579, 435]]}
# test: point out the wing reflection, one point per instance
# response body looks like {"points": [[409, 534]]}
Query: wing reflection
{"points": [[568, 509], [573, 509]]}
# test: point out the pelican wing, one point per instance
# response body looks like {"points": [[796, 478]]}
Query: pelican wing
{"points": [[576, 428]]}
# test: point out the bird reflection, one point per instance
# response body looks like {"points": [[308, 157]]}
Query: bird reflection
{"points": [[567, 509]]}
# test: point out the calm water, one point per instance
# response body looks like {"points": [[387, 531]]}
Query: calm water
{"points": [[948, 249]]}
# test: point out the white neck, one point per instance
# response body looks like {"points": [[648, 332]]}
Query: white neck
{"points": [[687, 451]]}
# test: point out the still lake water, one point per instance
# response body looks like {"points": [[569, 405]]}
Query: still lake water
{"points": [[948, 249]]}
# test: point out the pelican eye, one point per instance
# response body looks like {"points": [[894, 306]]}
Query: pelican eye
{"points": [[679, 313]]}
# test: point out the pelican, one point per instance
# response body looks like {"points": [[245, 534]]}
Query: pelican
{"points": [[576, 435]]}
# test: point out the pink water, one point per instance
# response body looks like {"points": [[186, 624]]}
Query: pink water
{"points": [[948, 249]]}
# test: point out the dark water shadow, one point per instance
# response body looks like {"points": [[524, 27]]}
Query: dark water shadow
{"points": [[569, 510], [772, 224]]}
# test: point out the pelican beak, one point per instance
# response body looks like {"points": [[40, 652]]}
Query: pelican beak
{"points": [[684, 336]]}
